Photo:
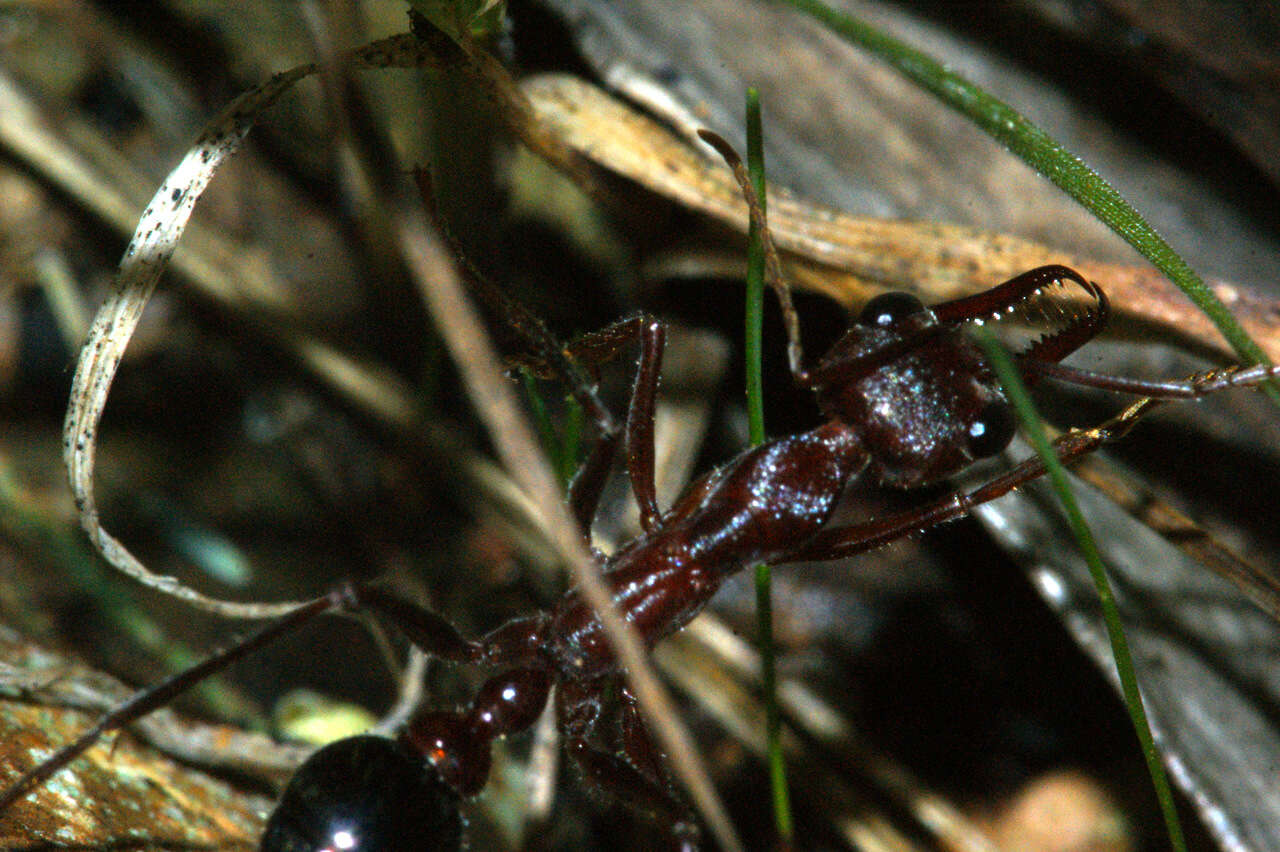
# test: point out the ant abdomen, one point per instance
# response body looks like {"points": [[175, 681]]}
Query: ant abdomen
{"points": [[363, 794]]}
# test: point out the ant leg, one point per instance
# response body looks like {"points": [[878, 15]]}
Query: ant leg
{"points": [[638, 746], [517, 643], [597, 347], [457, 743], [1191, 388], [630, 787], [588, 483], [637, 780], [552, 358], [841, 542], [549, 355], [640, 414], [772, 260], [152, 698]]}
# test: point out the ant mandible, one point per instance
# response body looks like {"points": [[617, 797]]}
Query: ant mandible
{"points": [[905, 397]]}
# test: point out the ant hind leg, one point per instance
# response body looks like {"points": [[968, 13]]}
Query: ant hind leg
{"points": [[154, 697], [636, 776], [515, 643]]}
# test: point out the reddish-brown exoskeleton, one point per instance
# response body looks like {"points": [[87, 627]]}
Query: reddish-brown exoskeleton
{"points": [[905, 398]]}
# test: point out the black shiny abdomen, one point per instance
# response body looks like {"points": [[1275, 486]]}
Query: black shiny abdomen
{"points": [[365, 794]]}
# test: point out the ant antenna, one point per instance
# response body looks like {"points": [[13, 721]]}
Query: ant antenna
{"points": [[772, 263], [525, 323]]}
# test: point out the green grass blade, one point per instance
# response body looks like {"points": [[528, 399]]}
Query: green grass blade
{"points": [[1031, 424], [1046, 156], [570, 441], [755, 276], [755, 421], [551, 442]]}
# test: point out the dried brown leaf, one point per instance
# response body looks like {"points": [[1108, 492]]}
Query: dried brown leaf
{"points": [[851, 258]]}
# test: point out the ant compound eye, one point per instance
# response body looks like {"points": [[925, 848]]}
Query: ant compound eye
{"points": [[992, 430], [887, 309]]}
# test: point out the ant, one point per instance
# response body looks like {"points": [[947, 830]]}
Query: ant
{"points": [[905, 397]]}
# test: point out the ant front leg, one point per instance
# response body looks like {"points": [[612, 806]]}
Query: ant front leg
{"points": [[845, 541], [547, 357], [1195, 387]]}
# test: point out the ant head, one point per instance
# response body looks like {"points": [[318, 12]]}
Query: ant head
{"points": [[362, 794], [922, 395]]}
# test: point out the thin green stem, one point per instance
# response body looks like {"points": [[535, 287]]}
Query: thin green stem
{"points": [[570, 440], [1034, 428], [541, 419], [755, 421], [561, 447], [1035, 147], [755, 276]]}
